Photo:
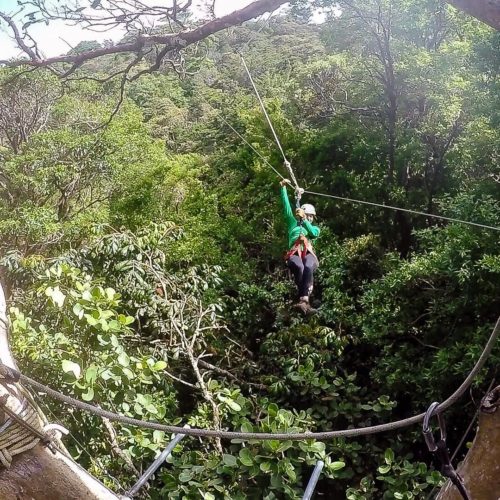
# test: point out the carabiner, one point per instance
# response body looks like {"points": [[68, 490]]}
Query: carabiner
{"points": [[427, 431]]}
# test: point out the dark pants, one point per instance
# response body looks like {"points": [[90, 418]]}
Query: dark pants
{"points": [[303, 270]]}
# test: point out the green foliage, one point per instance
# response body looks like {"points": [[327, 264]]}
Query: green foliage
{"points": [[398, 478], [254, 469], [144, 258]]}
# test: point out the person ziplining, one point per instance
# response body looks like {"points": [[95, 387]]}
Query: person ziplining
{"points": [[300, 257]]}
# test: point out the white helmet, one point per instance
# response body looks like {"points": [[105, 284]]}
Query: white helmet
{"points": [[308, 209]]}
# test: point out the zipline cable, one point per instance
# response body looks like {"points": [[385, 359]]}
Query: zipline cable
{"points": [[351, 200], [265, 436], [263, 158], [354, 200], [276, 138], [407, 210]]}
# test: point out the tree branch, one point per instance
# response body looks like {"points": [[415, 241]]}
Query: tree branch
{"points": [[129, 465], [172, 41]]}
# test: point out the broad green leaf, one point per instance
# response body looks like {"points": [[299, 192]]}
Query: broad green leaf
{"points": [[389, 456], [71, 367], [265, 466], [56, 295], [384, 469], [91, 320], [159, 365], [285, 445], [337, 465], [247, 427], [318, 447], [230, 460], [158, 436], [246, 457], [123, 359], [272, 409], [89, 395], [91, 374], [78, 310]]}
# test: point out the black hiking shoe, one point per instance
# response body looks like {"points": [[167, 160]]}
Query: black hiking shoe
{"points": [[304, 307]]}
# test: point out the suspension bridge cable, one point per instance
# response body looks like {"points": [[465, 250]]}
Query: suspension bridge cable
{"points": [[266, 436]]}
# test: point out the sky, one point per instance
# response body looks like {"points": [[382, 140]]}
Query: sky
{"points": [[58, 38]]}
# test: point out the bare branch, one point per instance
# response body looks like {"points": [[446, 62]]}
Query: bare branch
{"points": [[209, 366], [129, 465], [17, 35], [171, 41]]}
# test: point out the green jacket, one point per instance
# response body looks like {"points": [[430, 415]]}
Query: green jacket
{"points": [[294, 230]]}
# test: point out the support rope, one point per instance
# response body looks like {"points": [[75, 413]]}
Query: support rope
{"points": [[263, 158], [276, 138], [264, 436], [21, 432]]}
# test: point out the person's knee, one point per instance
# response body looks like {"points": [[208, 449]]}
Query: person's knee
{"points": [[309, 267], [297, 268]]}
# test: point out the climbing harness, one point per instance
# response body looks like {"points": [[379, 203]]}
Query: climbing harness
{"points": [[268, 436], [439, 449], [300, 247]]}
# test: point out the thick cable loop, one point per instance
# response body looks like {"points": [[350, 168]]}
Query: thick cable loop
{"points": [[265, 436], [21, 431]]}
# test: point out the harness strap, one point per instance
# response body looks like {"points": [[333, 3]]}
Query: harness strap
{"points": [[300, 247]]}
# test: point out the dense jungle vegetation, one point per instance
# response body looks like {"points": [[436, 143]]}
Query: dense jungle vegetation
{"points": [[143, 258]]}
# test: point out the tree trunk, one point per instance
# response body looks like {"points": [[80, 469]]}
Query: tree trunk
{"points": [[38, 473], [481, 468]]}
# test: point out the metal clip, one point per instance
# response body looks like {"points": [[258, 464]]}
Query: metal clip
{"points": [[426, 430], [298, 195], [440, 450]]}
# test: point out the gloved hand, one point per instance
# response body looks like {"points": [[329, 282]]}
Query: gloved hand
{"points": [[300, 213], [284, 182]]}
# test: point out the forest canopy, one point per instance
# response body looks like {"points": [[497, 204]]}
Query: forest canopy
{"points": [[142, 240]]}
